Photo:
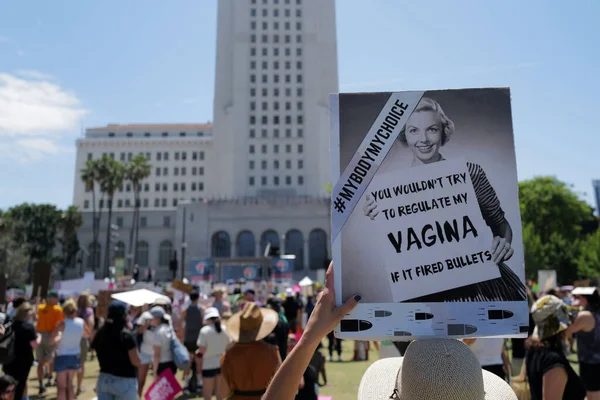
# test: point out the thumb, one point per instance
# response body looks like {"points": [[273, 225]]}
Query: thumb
{"points": [[349, 305]]}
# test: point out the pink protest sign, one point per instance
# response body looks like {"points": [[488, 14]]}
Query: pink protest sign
{"points": [[165, 388]]}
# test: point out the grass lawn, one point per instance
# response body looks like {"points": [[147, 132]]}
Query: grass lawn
{"points": [[344, 377]]}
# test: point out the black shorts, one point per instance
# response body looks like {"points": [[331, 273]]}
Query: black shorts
{"points": [[589, 374], [211, 373], [167, 365], [191, 346]]}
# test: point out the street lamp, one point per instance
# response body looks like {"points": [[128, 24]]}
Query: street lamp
{"points": [[183, 243]]}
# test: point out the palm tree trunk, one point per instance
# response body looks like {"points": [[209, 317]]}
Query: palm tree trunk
{"points": [[108, 231], [98, 226], [131, 261], [94, 230], [137, 226]]}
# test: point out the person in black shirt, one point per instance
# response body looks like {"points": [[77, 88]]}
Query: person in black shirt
{"points": [[279, 335], [547, 367], [26, 340], [118, 356], [292, 309]]}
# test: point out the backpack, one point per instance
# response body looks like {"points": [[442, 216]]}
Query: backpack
{"points": [[7, 345]]}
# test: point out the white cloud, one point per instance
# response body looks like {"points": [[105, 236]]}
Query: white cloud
{"points": [[20, 53], [33, 74], [35, 114]]}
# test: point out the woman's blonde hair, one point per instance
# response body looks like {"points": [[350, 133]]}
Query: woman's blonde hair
{"points": [[427, 104], [23, 311], [69, 308]]}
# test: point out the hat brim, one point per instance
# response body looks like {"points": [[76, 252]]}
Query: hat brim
{"points": [[379, 382], [269, 322]]}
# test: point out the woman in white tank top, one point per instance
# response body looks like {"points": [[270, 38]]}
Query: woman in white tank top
{"points": [[68, 336]]}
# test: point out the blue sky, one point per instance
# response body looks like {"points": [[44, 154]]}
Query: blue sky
{"points": [[64, 67]]}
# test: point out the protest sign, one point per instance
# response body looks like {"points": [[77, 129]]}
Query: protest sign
{"points": [[165, 388], [547, 280], [425, 216], [41, 279]]}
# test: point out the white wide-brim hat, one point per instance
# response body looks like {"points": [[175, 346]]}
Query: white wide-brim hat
{"points": [[437, 369]]}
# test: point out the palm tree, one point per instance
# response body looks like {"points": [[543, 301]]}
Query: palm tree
{"points": [[111, 174], [90, 176], [138, 169]]}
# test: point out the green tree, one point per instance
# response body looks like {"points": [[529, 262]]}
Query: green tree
{"points": [[90, 177], [137, 170], [111, 174], [35, 227], [70, 222], [588, 261], [555, 221]]}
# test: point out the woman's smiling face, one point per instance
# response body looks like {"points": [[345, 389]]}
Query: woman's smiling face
{"points": [[424, 133]]}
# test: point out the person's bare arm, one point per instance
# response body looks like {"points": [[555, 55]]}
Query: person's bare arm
{"points": [[584, 322], [134, 357], [156, 361], [55, 338], [554, 383], [469, 341], [323, 320]]}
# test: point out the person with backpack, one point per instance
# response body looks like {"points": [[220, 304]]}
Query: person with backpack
{"points": [[19, 357]]}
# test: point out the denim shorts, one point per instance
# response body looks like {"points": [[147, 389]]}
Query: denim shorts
{"points": [[66, 363], [111, 387], [146, 358]]}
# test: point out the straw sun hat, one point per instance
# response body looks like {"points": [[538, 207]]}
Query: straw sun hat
{"points": [[437, 369], [252, 324]]}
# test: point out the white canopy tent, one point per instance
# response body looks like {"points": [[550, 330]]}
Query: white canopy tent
{"points": [[138, 298], [306, 281]]}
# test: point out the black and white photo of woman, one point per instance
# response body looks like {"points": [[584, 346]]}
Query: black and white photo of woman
{"points": [[427, 130]]}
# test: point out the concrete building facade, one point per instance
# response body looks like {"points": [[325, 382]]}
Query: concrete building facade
{"points": [[259, 173]]}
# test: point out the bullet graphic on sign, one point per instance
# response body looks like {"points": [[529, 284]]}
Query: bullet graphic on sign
{"points": [[500, 314], [355, 325], [461, 329], [382, 313], [420, 316], [402, 333]]}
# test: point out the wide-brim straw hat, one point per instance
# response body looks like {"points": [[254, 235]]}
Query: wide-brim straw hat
{"points": [[436, 369], [251, 324]]}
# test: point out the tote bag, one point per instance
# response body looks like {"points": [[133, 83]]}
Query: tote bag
{"points": [[181, 356]]}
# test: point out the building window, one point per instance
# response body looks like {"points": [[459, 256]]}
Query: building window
{"points": [[165, 134], [264, 132], [176, 171], [251, 181], [175, 187], [300, 180], [164, 253], [253, 25], [298, 64], [174, 202], [129, 134], [183, 186], [263, 164], [166, 219], [201, 171], [276, 13], [288, 52], [264, 120], [288, 180], [263, 181], [275, 106], [159, 156], [264, 92], [251, 164], [288, 38], [265, 52], [127, 203], [253, 12], [265, 12], [276, 51], [252, 133], [194, 171], [288, 119], [200, 186], [252, 64], [181, 134], [165, 171], [276, 180], [298, 38], [300, 148], [176, 156], [288, 79], [89, 156], [276, 119], [142, 253], [184, 156], [276, 164], [252, 106], [166, 156], [288, 164], [164, 204], [300, 164], [145, 202], [287, 26], [276, 78], [194, 155], [287, 12], [298, 78], [143, 222], [299, 119], [288, 148], [299, 92], [183, 171], [252, 51], [265, 106], [253, 38], [193, 186], [264, 26], [299, 106], [119, 203], [252, 92], [156, 202], [157, 187], [264, 149], [164, 187], [86, 204], [276, 133], [288, 133], [275, 38], [298, 26], [299, 52], [265, 39], [252, 78], [276, 92], [252, 120], [251, 149], [275, 148], [146, 187], [276, 25]]}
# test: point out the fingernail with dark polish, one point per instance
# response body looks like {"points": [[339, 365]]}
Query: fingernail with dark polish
{"points": [[357, 298]]}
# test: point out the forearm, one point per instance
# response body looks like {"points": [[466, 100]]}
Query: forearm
{"points": [[504, 231], [284, 385]]}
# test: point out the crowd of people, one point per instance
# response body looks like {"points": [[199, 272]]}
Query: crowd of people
{"points": [[225, 336]]}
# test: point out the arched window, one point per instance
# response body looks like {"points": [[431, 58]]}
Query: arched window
{"points": [[269, 236], [317, 249], [246, 244], [294, 244], [120, 250], [165, 252], [221, 244], [142, 254], [93, 256]]}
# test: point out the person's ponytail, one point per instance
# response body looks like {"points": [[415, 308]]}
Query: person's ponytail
{"points": [[217, 324]]}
